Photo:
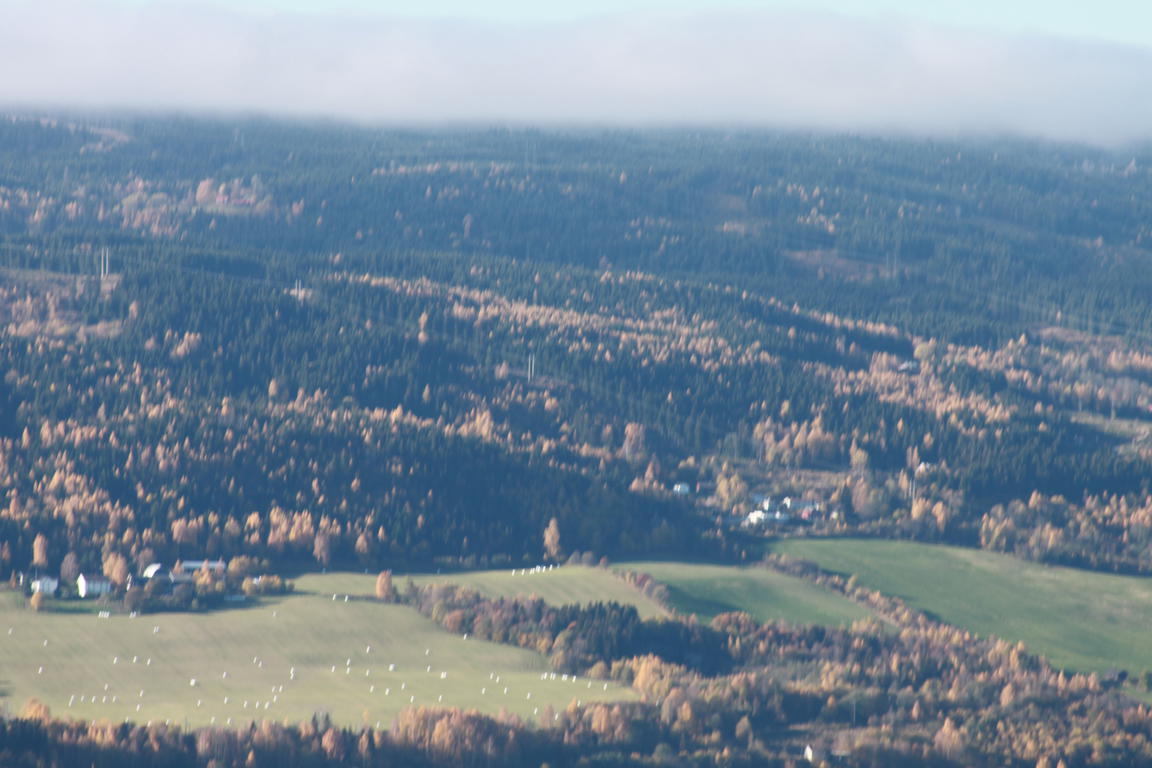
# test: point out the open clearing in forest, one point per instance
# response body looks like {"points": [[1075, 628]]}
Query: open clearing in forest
{"points": [[700, 588], [708, 590], [1079, 620], [283, 659], [562, 585]]}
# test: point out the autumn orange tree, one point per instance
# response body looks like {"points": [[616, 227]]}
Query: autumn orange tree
{"points": [[384, 589]]}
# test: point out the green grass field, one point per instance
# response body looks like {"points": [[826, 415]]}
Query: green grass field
{"points": [[562, 586], [1078, 619], [708, 590], [284, 659]]}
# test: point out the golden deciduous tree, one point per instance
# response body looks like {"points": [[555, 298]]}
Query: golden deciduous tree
{"points": [[333, 744], [35, 709], [182, 533], [422, 336], [730, 487], [206, 192], [384, 588], [116, 568], [949, 739], [552, 540], [40, 551], [635, 441], [363, 547], [322, 549]]}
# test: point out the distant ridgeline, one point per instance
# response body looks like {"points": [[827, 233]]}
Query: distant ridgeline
{"points": [[335, 346]]}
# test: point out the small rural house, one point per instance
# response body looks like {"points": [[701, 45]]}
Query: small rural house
{"points": [[92, 586], [755, 518], [46, 584]]}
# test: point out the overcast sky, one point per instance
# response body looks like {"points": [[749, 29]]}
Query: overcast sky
{"points": [[947, 68]]}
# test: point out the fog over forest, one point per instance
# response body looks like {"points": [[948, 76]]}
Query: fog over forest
{"points": [[762, 68]]}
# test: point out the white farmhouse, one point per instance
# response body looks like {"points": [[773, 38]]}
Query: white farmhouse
{"points": [[92, 586]]}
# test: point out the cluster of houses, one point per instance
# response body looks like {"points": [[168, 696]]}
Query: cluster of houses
{"points": [[86, 586], [89, 586], [184, 572], [785, 511], [767, 511]]}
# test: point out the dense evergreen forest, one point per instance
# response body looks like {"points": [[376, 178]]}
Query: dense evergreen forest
{"points": [[326, 345]]}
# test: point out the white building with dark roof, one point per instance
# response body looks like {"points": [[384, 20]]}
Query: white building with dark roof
{"points": [[92, 586], [46, 584]]}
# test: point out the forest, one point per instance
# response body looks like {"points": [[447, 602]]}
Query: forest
{"points": [[295, 346], [320, 344]]}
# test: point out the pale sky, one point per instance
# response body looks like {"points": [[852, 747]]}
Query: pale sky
{"points": [[1069, 71], [1120, 21]]}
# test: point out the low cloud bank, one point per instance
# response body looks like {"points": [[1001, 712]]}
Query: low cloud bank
{"points": [[771, 69]]}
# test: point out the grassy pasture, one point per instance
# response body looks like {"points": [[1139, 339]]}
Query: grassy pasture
{"points": [[561, 586], [247, 654], [703, 589], [708, 590], [1079, 620]]}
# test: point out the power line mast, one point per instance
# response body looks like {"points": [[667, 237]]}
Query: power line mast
{"points": [[531, 367]]}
